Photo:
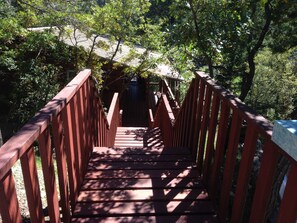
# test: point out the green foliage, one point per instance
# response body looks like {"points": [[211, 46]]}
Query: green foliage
{"points": [[275, 85]]}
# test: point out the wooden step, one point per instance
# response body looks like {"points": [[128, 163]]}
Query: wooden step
{"points": [[139, 180], [209, 218]]}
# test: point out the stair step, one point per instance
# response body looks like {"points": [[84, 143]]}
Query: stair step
{"points": [[139, 180]]}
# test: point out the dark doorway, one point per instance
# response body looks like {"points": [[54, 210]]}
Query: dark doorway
{"points": [[135, 112]]}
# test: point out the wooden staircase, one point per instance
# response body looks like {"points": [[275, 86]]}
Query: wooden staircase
{"points": [[139, 180]]}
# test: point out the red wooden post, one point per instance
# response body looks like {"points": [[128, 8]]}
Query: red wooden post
{"points": [[32, 186], [288, 207], [75, 126], [59, 142], [204, 127], [211, 137], [193, 113], [229, 164], [81, 146], [188, 108], [9, 206], [265, 180], [186, 116], [198, 117], [49, 175], [69, 145], [246, 163], [220, 147]]}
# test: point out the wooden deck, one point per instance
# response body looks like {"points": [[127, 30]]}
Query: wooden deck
{"points": [[140, 181]]}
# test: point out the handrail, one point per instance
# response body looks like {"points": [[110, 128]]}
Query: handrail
{"points": [[165, 119], [72, 123], [113, 118], [170, 96], [217, 126]]}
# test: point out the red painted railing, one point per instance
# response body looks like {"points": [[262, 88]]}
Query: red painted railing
{"points": [[224, 134], [165, 89], [67, 128]]}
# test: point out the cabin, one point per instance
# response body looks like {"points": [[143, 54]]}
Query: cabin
{"points": [[193, 162]]}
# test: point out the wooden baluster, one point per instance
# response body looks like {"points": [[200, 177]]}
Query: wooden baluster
{"points": [[59, 142], [49, 176], [249, 148], [9, 205], [186, 116], [193, 113], [288, 207], [75, 126], [265, 181], [211, 137], [84, 123], [69, 145], [229, 164], [220, 148], [198, 118], [91, 119], [188, 109], [204, 128], [31, 183]]}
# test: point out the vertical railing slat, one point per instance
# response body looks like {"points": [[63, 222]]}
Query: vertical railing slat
{"points": [[193, 113], [249, 148], [77, 151], [59, 142], [9, 205], [229, 164], [204, 128], [220, 147], [69, 145], [81, 121], [49, 175], [211, 137], [265, 181], [288, 207], [198, 117], [31, 183]]}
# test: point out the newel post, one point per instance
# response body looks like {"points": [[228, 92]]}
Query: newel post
{"points": [[285, 136]]}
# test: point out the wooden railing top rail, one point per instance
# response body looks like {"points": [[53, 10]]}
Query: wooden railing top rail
{"points": [[24, 138], [168, 109], [170, 94], [112, 109]]}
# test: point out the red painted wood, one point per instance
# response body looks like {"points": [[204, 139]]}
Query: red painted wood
{"points": [[264, 127], [81, 121], [49, 176], [186, 116], [265, 181], [28, 134], [229, 165], [69, 145], [198, 118], [288, 207], [220, 148], [9, 207], [76, 134], [59, 142], [193, 113], [245, 168], [204, 129], [209, 153], [32, 186]]}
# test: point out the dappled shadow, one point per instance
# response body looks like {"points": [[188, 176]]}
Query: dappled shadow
{"points": [[142, 184]]}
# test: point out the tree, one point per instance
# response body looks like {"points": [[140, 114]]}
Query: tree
{"points": [[227, 36]]}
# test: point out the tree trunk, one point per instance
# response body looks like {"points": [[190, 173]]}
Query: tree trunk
{"points": [[247, 79]]}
